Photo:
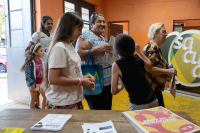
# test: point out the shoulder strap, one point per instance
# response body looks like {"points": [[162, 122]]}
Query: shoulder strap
{"points": [[39, 37], [88, 58]]}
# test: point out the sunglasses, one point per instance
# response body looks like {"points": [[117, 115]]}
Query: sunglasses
{"points": [[94, 14]]}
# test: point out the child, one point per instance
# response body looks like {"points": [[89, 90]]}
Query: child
{"points": [[33, 68], [63, 76], [131, 69]]}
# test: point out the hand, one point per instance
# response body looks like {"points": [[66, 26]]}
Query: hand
{"points": [[90, 77], [87, 83], [173, 71], [137, 48], [105, 47], [32, 88]]}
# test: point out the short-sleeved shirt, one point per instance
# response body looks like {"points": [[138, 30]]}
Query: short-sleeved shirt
{"points": [[135, 81], [44, 41], [39, 69], [64, 56], [153, 52], [96, 41]]}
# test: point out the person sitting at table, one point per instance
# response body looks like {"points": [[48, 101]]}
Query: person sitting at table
{"points": [[131, 69]]}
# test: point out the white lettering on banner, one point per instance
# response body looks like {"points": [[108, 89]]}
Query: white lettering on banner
{"points": [[189, 51]]}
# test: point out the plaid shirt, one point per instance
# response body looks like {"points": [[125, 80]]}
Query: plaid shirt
{"points": [[153, 52]]}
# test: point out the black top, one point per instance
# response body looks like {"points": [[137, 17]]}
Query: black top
{"points": [[135, 81]]}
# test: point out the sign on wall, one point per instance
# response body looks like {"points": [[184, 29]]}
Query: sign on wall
{"points": [[183, 51]]}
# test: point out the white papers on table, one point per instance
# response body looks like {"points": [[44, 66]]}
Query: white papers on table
{"points": [[112, 56], [52, 122], [104, 127]]}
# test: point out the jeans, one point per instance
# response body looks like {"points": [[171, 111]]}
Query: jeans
{"points": [[160, 98]]}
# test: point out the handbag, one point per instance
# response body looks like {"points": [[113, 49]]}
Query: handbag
{"points": [[96, 71]]}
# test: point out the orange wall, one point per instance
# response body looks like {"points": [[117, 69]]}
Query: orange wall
{"points": [[141, 14], [52, 8]]}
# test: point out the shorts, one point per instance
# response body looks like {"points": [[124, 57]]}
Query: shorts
{"points": [[144, 106], [75, 106]]}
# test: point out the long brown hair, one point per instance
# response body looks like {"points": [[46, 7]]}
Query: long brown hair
{"points": [[29, 57], [62, 32]]}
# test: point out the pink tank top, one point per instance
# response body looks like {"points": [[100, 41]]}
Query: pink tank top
{"points": [[39, 73]]}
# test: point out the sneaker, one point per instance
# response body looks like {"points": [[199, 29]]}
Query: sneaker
{"points": [[36, 106]]}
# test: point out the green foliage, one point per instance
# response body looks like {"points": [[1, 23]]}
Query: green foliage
{"points": [[2, 26]]}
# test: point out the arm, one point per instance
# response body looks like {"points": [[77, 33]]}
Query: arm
{"points": [[147, 63], [28, 47], [33, 41], [115, 76], [82, 47], [30, 82], [55, 79], [157, 71]]}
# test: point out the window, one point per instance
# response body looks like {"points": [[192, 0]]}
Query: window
{"points": [[16, 29], [86, 18], [69, 7], [84, 9]]}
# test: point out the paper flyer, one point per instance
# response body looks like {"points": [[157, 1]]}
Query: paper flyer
{"points": [[52, 122], [112, 56]]}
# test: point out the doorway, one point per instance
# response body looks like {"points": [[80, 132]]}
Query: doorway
{"points": [[115, 28], [18, 29], [188, 24]]}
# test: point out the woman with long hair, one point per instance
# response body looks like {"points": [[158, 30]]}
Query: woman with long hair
{"points": [[63, 76]]}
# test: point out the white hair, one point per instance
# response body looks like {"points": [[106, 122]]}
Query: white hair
{"points": [[153, 29]]}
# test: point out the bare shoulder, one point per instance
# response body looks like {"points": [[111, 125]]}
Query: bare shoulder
{"points": [[116, 70], [82, 44]]}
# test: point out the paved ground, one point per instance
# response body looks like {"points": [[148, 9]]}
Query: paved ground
{"points": [[4, 92]]}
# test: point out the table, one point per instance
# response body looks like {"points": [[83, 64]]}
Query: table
{"points": [[26, 118]]}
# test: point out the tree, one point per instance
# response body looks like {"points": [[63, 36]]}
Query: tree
{"points": [[2, 26]]}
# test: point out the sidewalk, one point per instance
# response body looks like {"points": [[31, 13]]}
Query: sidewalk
{"points": [[4, 101]]}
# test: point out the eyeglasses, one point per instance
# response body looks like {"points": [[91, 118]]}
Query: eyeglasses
{"points": [[164, 32]]}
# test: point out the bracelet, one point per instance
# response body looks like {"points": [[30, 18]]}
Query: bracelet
{"points": [[80, 82]]}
